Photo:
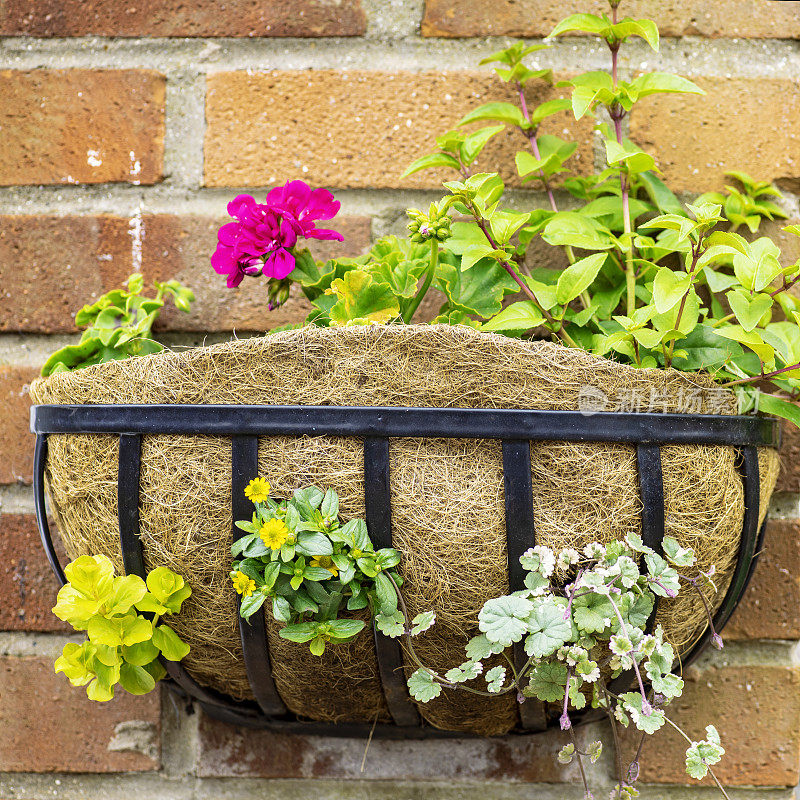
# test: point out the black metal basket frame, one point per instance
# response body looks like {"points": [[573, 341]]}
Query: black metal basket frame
{"points": [[515, 428]]}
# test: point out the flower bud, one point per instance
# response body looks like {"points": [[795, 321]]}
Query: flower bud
{"points": [[278, 292], [433, 225]]}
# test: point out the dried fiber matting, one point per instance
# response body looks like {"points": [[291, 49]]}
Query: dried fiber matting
{"points": [[447, 495]]}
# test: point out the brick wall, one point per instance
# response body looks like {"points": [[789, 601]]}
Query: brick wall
{"points": [[126, 127]]}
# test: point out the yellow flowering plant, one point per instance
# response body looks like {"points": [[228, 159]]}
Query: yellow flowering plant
{"points": [[121, 616], [298, 555]]}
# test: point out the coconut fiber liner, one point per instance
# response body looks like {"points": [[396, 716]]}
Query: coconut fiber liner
{"points": [[447, 495]]}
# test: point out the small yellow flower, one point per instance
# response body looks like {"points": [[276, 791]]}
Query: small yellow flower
{"points": [[244, 586], [257, 490], [326, 562], [274, 534]]}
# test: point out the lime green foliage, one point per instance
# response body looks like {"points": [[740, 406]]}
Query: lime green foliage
{"points": [[311, 567], [119, 325], [652, 281], [121, 616]]}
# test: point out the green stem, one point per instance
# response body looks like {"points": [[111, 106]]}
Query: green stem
{"points": [[432, 265]]}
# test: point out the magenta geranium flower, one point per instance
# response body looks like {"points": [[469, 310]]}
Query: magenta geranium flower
{"points": [[262, 238]]}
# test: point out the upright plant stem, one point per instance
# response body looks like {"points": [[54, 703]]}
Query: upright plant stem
{"points": [[531, 136], [432, 265]]}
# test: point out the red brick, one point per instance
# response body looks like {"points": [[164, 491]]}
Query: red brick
{"points": [[51, 266], [789, 479], [756, 710], [771, 607], [47, 725], [177, 18], [28, 587], [710, 18], [368, 126], [81, 126], [70, 261], [752, 125], [226, 751], [16, 451]]}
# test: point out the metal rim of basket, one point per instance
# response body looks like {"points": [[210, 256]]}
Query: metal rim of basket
{"points": [[515, 428]]}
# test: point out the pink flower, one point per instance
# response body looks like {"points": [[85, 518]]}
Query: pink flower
{"points": [[262, 238]]}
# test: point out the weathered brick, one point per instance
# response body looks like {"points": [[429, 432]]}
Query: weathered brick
{"points": [[70, 261], [28, 587], [710, 18], [771, 607], [47, 725], [177, 18], [16, 450], [51, 266], [789, 479], [226, 751], [742, 124], [81, 126], [756, 710], [367, 126], [180, 247]]}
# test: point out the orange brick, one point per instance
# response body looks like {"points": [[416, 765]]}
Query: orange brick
{"points": [[81, 126], [742, 124], [770, 608], [710, 18], [177, 18], [367, 126], [756, 710], [16, 451], [47, 725], [28, 587]]}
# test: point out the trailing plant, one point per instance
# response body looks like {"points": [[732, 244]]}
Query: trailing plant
{"points": [[118, 325], [312, 568], [650, 281], [583, 624], [122, 619]]}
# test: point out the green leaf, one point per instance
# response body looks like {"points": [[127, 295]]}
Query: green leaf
{"points": [[75, 662], [169, 643], [128, 630], [750, 339], [583, 23], [779, 408], [520, 316], [748, 308], [168, 588], [422, 622], [571, 228], [140, 654], [479, 647], [495, 678], [643, 28], [705, 349], [474, 143], [387, 596], [432, 161], [422, 687], [344, 629], [392, 625], [663, 82], [669, 288], [478, 292], [136, 679], [362, 300], [633, 157], [577, 277], [300, 632], [664, 199], [504, 619], [592, 613], [313, 544], [548, 630], [548, 681], [501, 112]]}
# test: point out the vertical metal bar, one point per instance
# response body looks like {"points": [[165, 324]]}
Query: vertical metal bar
{"points": [[651, 489], [520, 535], [378, 505], [130, 454], [253, 633], [39, 462]]}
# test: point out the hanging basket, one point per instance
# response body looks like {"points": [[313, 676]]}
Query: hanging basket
{"points": [[461, 449]]}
